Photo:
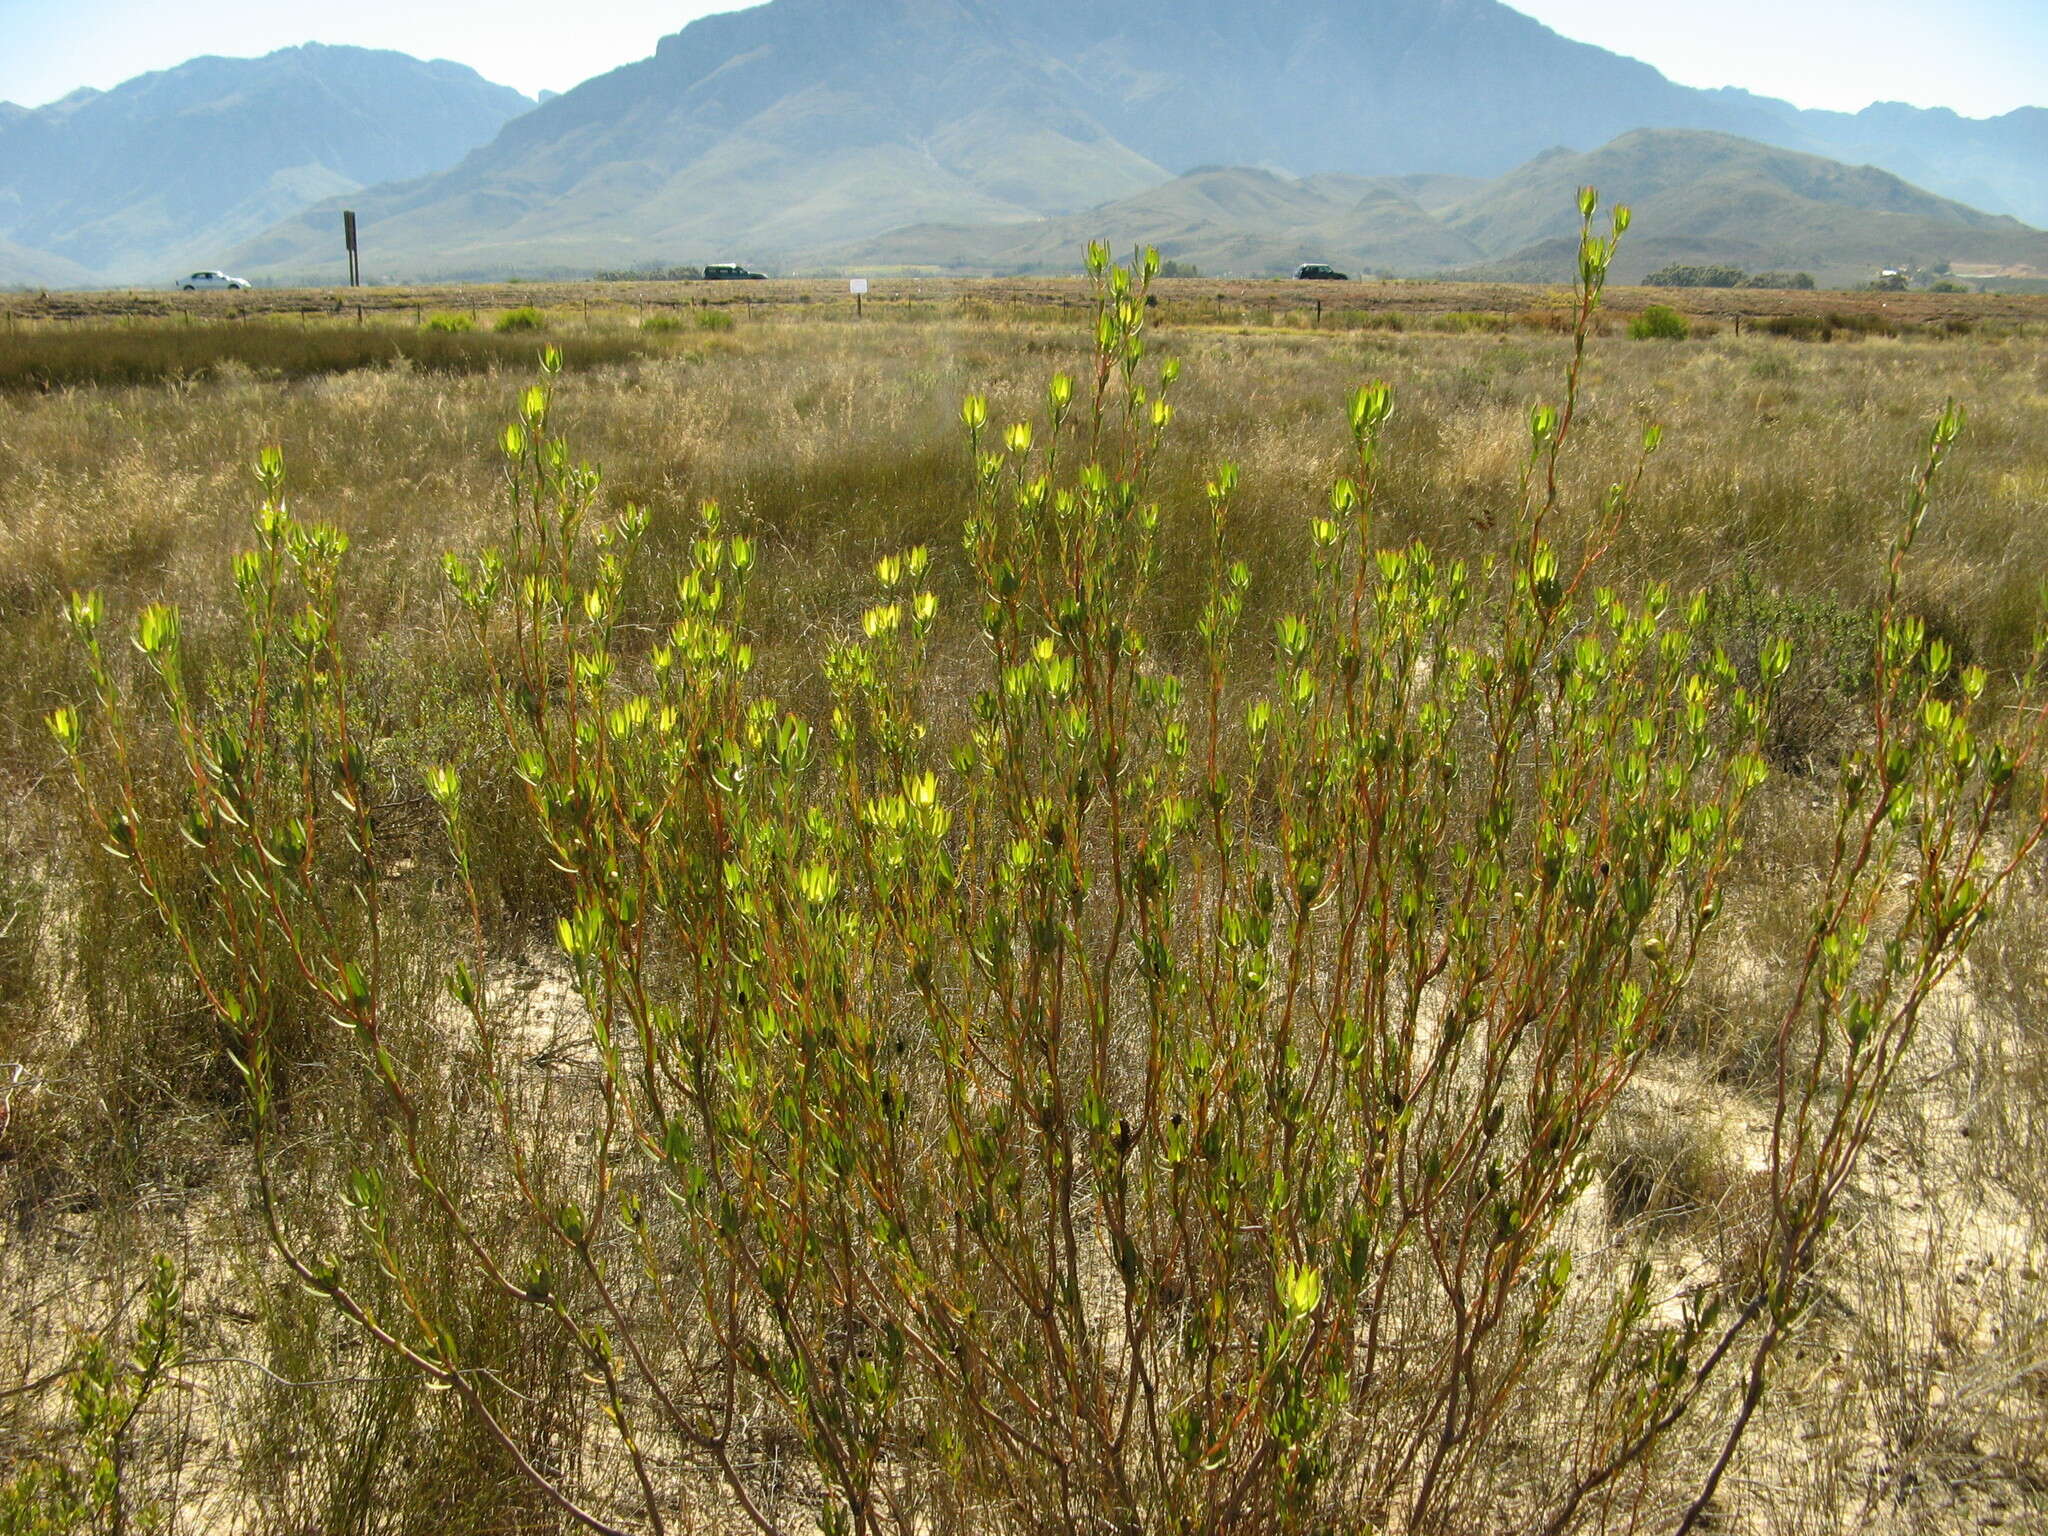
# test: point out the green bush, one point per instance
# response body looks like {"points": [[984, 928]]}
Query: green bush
{"points": [[1797, 327], [1826, 327], [653, 272], [1084, 1095], [661, 325], [524, 318], [453, 325], [1659, 323], [1818, 703], [1679, 276], [714, 320], [1802, 281]]}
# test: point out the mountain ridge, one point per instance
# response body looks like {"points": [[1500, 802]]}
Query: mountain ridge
{"points": [[1699, 198], [801, 125], [1997, 163], [1714, 199], [171, 169]]}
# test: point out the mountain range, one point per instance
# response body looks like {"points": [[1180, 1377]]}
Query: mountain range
{"points": [[1711, 199], [171, 170], [1400, 135], [1699, 198], [803, 130]]}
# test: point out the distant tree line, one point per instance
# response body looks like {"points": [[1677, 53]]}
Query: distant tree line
{"points": [[1681, 276], [652, 274]]}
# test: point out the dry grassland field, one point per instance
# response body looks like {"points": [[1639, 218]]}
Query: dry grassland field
{"points": [[1211, 300], [1014, 980]]}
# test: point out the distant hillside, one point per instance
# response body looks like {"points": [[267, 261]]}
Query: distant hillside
{"points": [[1704, 198], [1713, 198], [1999, 164], [1436, 192], [21, 267], [171, 170], [802, 124], [1224, 219]]}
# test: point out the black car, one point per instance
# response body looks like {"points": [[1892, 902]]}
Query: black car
{"points": [[1317, 269], [724, 270]]}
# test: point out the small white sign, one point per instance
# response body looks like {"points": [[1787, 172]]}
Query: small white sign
{"points": [[857, 285]]}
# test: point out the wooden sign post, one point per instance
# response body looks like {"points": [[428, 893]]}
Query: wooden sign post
{"points": [[857, 286]]}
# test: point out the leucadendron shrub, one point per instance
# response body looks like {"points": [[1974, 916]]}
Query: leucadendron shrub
{"points": [[1117, 1099]]}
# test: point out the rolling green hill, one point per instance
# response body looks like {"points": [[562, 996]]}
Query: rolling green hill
{"points": [[1703, 198], [1996, 163], [1713, 198], [1224, 219]]}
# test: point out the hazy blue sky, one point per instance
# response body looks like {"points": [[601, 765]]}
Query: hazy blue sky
{"points": [[1978, 56]]}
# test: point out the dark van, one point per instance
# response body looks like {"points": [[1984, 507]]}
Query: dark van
{"points": [[726, 270]]}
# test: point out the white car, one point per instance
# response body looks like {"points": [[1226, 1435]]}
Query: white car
{"points": [[200, 280]]}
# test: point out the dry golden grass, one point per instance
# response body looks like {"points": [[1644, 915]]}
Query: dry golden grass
{"points": [[1181, 300], [1918, 1400]]}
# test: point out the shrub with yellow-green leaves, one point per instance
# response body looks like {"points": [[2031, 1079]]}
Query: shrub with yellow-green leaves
{"points": [[1118, 1101]]}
